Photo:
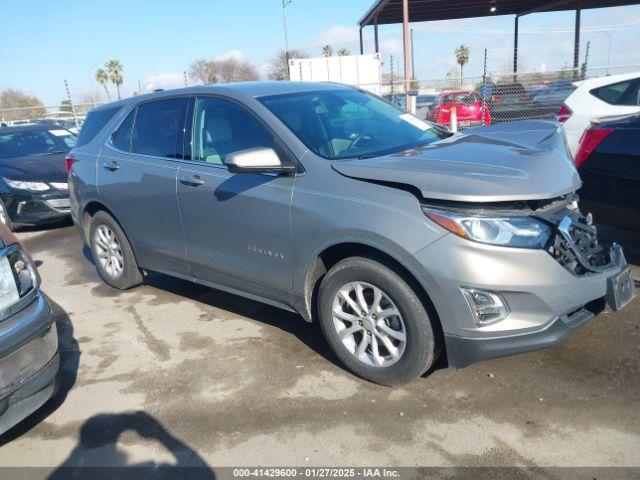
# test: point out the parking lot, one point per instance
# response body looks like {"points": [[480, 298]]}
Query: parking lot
{"points": [[176, 373]]}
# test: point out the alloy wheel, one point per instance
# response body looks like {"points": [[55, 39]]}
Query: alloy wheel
{"points": [[369, 324], [109, 251]]}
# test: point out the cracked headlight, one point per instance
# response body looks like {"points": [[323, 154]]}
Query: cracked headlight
{"points": [[519, 232], [31, 186]]}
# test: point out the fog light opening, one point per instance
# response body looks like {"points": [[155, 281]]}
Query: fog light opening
{"points": [[486, 307]]}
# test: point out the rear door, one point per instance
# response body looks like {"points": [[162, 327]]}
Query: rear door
{"points": [[137, 173], [237, 226]]}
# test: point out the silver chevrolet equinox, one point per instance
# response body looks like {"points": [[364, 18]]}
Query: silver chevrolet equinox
{"points": [[403, 240]]}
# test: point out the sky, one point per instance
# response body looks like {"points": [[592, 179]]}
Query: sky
{"points": [[42, 43]]}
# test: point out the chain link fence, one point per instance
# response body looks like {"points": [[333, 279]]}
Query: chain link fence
{"points": [[494, 97], [68, 116]]}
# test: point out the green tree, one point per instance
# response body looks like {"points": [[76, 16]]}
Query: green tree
{"points": [[114, 68], [344, 52], [462, 57], [327, 51], [65, 107], [102, 77]]}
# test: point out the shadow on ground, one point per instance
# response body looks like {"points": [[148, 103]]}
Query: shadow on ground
{"points": [[66, 222], [98, 441], [308, 333]]}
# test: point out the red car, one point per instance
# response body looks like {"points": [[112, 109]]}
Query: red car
{"points": [[468, 107]]}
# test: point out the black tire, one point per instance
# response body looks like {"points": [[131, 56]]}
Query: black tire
{"points": [[131, 275], [420, 348], [5, 218]]}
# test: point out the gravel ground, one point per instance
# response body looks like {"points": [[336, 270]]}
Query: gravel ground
{"points": [[176, 373]]}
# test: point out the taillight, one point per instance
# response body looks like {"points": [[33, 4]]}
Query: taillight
{"points": [[496, 98], [69, 160], [563, 114], [590, 141], [525, 97]]}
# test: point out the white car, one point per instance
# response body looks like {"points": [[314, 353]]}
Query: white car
{"points": [[597, 98]]}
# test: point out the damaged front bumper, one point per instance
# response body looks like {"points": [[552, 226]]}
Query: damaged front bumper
{"points": [[619, 290], [549, 293]]}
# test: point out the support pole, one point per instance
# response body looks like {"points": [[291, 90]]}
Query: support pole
{"points": [[73, 108], [515, 48], [413, 63], [361, 45], [576, 42], [375, 33], [406, 44]]}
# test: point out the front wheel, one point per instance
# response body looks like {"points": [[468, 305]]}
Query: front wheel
{"points": [[112, 253], [375, 322]]}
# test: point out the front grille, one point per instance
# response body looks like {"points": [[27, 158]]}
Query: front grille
{"points": [[59, 203], [575, 245]]}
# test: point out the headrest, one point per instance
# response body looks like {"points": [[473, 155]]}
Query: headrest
{"points": [[218, 129]]}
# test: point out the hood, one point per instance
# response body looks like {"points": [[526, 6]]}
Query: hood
{"points": [[508, 162], [39, 168]]}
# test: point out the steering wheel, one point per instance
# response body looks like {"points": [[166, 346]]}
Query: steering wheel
{"points": [[355, 141]]}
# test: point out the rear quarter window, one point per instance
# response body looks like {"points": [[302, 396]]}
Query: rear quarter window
{"points": [[625, 93], [95, 122]]}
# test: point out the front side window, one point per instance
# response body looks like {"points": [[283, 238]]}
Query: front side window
{"points": [[622, 93], [157, 127], [340, 124], [222, 127], [34, 142]]}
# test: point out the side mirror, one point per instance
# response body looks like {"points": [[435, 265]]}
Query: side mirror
{"points": [[257, 160]]}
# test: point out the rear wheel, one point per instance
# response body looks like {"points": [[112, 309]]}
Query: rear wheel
{"points": [[112, 253], [374, 322]]}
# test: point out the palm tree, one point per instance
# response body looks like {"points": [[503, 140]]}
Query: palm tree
{"points": [[114, 67], [327, 51], [462, 57], [344, 52], [102, 78]]}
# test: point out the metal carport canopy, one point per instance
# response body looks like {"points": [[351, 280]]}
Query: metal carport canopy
{"points": [[390, 11], [404, 11]]}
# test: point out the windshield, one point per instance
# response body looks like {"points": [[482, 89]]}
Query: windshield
{"points": [[339, 124], [35, 142], [466, 98]]}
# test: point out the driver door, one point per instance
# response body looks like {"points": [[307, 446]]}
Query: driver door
{"points": [[237, 226]]}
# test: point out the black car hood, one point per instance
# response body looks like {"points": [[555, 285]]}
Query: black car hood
{"points": [[508, 162], [37, 168]]}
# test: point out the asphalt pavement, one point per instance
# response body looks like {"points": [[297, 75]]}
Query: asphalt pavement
{"points": [[176, 373]]}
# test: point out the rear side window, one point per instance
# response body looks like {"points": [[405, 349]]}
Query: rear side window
{"points": [[156, 128], [94, 122], [621, 93], [122, 138]]}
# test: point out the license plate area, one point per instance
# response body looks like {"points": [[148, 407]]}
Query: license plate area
{"points": [[620, 289]]}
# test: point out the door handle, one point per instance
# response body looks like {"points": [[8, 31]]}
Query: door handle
{"points": [[112, 166], [192, 181]]}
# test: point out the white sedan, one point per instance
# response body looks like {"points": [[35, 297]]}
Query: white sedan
{"points": [[595, 99]]}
